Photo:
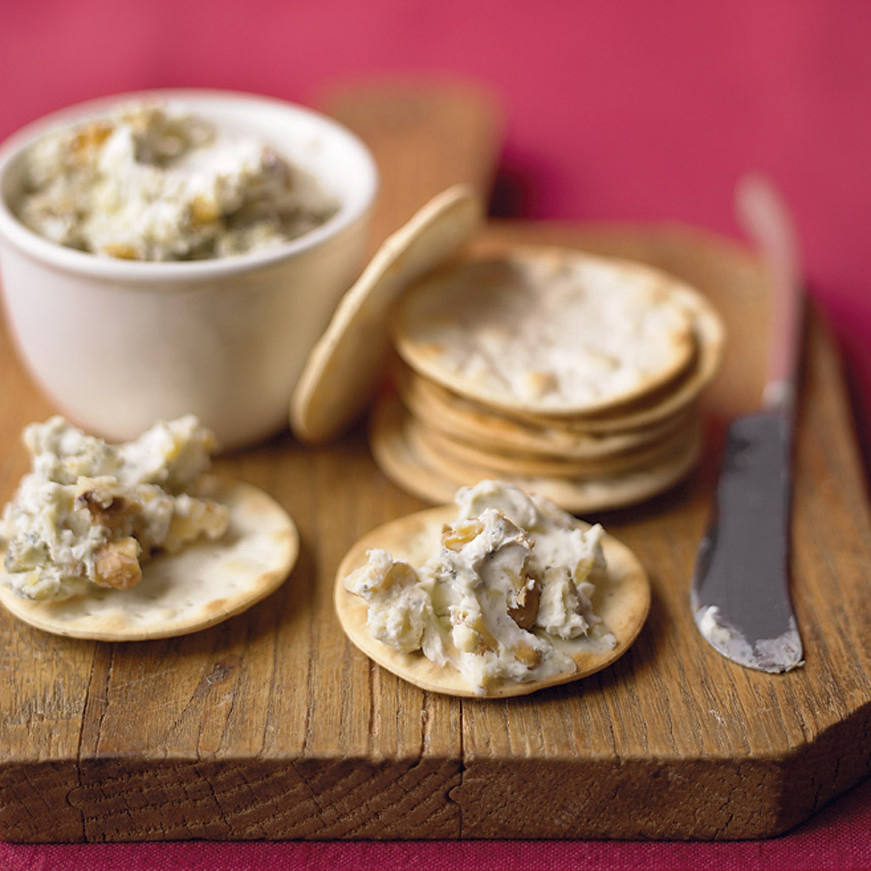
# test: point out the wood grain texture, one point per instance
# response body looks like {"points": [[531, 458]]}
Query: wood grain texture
{"points": [[272, 725]]}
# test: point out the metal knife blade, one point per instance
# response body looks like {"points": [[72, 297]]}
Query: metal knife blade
{"points": [[740, 587]]}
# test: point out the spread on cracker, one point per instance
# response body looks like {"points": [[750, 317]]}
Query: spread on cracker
{"points": [[132, 541], [502, 603], [89, 513]]}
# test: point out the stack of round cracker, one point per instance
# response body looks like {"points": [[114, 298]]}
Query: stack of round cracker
{"points": [[574, 376]]}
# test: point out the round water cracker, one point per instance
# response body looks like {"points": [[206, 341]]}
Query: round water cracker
{"points": [[435, 478], [500, 463], [344, 366], [453, 415], [668, 399], [180, 593], [621, 598], [655, 407], [547, 330]]}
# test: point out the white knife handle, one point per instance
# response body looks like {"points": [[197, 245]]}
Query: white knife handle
{"points": [[767, 221]]}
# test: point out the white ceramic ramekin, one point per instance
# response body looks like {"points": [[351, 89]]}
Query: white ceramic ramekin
{"points": [[117, 344]]}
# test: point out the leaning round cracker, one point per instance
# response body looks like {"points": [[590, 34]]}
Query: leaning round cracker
{"points": [[180, 593], [344, 366], [621, 598], [547, 330], [433, 477]]}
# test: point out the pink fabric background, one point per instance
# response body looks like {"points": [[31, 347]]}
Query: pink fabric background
{"points": [[617, 111]]}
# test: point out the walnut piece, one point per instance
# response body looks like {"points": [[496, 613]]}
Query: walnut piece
{"points": [[116, 564]]}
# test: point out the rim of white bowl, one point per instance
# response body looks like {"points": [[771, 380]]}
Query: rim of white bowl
{"points": [[86, 263]]}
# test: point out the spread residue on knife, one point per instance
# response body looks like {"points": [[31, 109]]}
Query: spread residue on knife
{"points": [[773, 655]]}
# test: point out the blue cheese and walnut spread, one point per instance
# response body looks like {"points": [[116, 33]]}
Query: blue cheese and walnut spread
{"points": [[506, 597], [89, 513], [154, 182]]}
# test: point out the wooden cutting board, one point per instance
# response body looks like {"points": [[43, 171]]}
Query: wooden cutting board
{"points": [[272, 725]]}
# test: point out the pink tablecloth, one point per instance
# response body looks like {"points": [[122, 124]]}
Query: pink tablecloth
{"points": [[618, 111]]}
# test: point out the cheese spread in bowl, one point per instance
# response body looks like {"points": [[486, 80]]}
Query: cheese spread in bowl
{"points": [[182, 250], [153, 181]]}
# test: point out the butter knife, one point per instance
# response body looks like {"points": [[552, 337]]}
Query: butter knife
{"points": [[740, 587]]}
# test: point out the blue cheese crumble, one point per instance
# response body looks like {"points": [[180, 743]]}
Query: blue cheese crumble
{"points": [[506, 595], [89, 513]]}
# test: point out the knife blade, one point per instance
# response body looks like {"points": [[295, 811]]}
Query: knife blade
{"points": [[740, 587]]}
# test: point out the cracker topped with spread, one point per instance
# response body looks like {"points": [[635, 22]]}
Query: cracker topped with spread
{"points": [[133, 541], [501, 594]]}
